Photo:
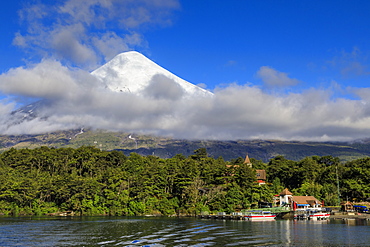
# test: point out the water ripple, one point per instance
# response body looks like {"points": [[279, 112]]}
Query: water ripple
{"points": [[116, 231]]}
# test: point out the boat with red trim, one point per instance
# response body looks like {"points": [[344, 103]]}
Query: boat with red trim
{"points": [[259, 215]]}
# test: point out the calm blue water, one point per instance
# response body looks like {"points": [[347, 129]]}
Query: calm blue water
{"points": [[121, 231]]}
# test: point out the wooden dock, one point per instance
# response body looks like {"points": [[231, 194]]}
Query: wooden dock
{"points": [[288, 215], [222, 217]]}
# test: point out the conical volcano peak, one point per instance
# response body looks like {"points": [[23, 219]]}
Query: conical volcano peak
{"points": [[130, 56], [133, 72]]}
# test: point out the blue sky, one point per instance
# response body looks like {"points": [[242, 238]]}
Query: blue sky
{"points": [[220, 42], [315, 42], [289, 51]]}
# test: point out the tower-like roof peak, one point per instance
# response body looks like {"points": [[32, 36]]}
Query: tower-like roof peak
{"points": [[247, 160], [286, 192]]}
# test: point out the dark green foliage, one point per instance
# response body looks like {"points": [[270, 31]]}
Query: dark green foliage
{"points": [[285, 170], [89, 181]]}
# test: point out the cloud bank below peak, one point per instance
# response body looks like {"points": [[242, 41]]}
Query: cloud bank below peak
{"points": [[76, 98]]}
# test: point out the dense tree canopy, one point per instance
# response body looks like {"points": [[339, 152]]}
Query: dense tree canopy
{"points": [[89, 181]]}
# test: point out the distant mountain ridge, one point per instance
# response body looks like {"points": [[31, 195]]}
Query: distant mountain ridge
{"points": [[167, 147]]}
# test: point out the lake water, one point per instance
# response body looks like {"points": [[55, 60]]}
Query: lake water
{"points": [[152, 231]]}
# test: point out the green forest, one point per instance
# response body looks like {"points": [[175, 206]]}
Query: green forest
{"points": [[89, 181]]}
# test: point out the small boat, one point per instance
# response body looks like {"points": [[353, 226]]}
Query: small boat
{"points": [[318, 215], [259, 215]]}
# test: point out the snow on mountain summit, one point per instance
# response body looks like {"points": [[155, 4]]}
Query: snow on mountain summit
{"points": [[133, 72]]}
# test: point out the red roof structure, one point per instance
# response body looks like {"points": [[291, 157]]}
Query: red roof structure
{"points": [[306, 200]]}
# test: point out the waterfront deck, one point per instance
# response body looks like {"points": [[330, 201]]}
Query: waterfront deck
{"points": [[286, 214]]}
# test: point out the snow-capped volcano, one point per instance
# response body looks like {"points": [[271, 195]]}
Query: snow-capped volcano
{"points": [[133, 72], [129, 72]]}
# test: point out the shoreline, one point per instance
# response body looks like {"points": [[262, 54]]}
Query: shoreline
{"points": [[349, 217]]}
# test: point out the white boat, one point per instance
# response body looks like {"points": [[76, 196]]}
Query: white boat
{"points": [[259, 215], [318, 215]]}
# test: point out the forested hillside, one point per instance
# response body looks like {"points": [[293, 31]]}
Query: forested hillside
{"points": [[89, 181]]}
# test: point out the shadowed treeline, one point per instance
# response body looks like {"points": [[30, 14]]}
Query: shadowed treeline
{"points": [[89, 181]]}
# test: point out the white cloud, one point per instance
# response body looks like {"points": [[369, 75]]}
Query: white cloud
{"points": [[6, 107], [274, 78], [85, 33], [76, 99], [67, 44], [162, 87], [351, 64], [47, 80]]}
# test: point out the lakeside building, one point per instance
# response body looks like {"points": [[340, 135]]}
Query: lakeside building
{"points": [[260, 174], [299, 202]]}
